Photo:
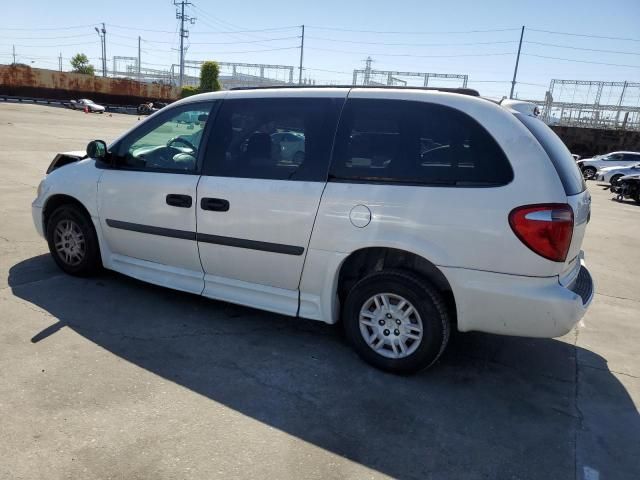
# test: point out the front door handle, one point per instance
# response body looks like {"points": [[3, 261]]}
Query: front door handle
{"points": [[214, 204], [177, 200]]}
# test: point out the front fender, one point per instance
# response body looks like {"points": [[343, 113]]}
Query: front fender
{"points": [[77, 180]]}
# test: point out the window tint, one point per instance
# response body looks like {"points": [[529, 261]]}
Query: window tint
{"points": [[630, 157], [273, 138], [567, 169], [169, 142], [416, 142]]}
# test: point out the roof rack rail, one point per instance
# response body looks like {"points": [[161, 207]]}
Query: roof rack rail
{"points": [[462, 91]]}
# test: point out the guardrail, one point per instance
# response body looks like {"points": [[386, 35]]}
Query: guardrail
{"points": [[130, 109]]}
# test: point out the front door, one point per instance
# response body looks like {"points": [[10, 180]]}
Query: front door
{"points": [[257, 201], [146, 202]]}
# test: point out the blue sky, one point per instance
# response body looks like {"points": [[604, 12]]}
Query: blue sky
{"points": [[36, 28]]}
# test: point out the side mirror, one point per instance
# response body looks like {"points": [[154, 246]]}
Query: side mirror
{"points": [[97, 149]]}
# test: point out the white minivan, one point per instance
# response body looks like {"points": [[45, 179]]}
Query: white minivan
{"points": [[406, 213]]}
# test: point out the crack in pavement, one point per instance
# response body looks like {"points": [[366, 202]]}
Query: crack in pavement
{"points": [[608, 370], [619, 298]]}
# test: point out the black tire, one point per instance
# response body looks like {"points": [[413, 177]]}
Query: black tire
{"points": [[426, 300], [588, 173], [614, 182], [90, 263]]}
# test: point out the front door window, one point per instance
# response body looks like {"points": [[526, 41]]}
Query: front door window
{"points": [[170, 144]]}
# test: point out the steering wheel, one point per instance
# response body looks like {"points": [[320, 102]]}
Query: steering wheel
{"points": [[183, 141]]}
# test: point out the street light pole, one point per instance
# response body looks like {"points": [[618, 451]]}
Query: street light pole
{"points": [[104, 50], [104, 73]]}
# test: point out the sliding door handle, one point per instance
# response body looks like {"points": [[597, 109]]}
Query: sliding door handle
{"points": [[177, 200], [214, 204]]}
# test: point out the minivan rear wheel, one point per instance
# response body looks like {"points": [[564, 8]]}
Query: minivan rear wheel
{"points": [[396, 321]]}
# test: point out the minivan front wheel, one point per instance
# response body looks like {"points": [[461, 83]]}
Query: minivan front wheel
{"points": [[73, 242], [396, 321]]}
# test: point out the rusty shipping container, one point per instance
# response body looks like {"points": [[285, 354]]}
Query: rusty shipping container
{"points": [[17, 80]]}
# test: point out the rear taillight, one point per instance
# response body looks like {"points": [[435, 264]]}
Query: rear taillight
{"points": [[545, 228]]}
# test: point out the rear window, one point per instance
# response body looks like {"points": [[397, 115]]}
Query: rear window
{"points": [[565, 165], [415, 143]]}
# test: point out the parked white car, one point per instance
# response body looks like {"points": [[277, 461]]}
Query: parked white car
{"points": [[413, 212], [613, 174], [590, 166], [88, 104]]}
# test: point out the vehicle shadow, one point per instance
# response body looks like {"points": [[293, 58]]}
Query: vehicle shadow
{"points": [[493, 407]]}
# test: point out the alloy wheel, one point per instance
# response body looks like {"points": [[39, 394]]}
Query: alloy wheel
{"points": [[391, 325], [69, 242]]}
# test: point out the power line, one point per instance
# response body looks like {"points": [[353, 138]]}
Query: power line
{"points": [[226, 25], [585, 35], [121, 27], [218, 32], [48, 38], [50, 46], [251, 51], [336, 29], [228, 43], [411, 44], [248, 31], [581, 61], [327, 71], [411, 55], [37, 29], [217, 25], [581, 48]]}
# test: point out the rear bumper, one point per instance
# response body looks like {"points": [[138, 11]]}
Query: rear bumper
{"points": [[521, 306]]}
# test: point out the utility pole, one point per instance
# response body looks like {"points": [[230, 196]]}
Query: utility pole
{"points": [[60, 61], [14, 54], [139, 75], [183, 33], [301, 55], [367, 71], [515, 70]]}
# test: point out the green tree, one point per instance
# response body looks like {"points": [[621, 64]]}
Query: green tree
{"points": [[80, 64], [209, 72], [188, 90]]}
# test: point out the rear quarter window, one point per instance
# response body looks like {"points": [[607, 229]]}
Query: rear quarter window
{"points": [[400, 141], [558, 153]]}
